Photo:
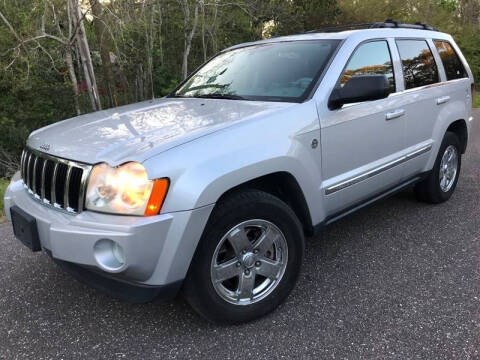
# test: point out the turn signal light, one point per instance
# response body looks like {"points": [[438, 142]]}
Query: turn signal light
{"points": [[157, 197]]}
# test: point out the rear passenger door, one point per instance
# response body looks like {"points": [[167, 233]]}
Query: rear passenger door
{"points": [[421, 99], [362, 142], [456, 83]]}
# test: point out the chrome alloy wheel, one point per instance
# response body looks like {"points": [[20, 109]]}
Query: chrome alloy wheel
{"points": [[448, 168], [249, 262]]}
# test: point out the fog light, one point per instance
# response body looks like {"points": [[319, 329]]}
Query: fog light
{"points": [[118, 253], [109, 255]]}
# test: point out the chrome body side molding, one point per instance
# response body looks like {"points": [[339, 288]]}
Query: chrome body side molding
{"points": [[366, 175]]}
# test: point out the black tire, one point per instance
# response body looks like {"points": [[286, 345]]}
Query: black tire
{"points": [[429, 189], [246, 205]]}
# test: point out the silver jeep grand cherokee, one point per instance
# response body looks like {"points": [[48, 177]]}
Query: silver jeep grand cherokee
{"points": [[212, 189]]}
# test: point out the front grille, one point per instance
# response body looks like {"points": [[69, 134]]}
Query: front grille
{"points": [[55, 181]]}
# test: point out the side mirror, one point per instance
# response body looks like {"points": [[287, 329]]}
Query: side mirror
{"points": [[360, 88]]}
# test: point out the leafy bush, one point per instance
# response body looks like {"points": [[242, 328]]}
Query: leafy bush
{"points": [[3, 186], [476, 101], [24, 107]]}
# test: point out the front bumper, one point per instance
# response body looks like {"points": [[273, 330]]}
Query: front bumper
{"points": [[120, 289], [157, 249]]}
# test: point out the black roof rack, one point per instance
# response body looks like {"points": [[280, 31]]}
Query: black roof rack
{"points": [[387, 24]]}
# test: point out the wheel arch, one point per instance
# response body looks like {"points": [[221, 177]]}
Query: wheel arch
{"points": [[451, 119], [459, 128], [284, 186]]}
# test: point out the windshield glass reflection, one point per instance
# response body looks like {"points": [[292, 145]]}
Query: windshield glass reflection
{"points": [[275, 71]]}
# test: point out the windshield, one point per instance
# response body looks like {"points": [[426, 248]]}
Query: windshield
{"points": [[283, 71]]}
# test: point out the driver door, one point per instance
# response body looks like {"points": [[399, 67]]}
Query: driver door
{"points": [[362, 142]]}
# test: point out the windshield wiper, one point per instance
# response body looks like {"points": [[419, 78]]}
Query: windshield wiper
{"points": [[220, 96]]}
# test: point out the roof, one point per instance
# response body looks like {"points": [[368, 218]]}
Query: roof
{"points": [[361, 34]]}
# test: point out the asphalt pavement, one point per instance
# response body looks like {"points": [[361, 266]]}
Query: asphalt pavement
{"points": [[398, 280]]}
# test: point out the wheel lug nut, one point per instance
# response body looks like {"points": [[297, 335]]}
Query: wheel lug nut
{"points": [[255, 251], [238, 264], [258, 263], [244, 251], [247, 272]]}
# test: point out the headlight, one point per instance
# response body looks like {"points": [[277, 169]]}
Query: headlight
{"points": [[125, 190]]}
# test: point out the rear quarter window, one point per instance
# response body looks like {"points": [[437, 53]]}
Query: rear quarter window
{"points": [[418, 63], [454, 68]]}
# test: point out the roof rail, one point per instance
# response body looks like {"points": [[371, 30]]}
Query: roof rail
{"points": [[338, 28], [387, 24]]}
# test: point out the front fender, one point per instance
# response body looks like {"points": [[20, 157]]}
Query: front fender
{"points": [[204, 169]]}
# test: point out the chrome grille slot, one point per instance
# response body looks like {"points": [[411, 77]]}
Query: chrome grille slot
{"points": [[55, 181], [60, 184], [38, 175], [75, 183], [31, 162], [49, 165]]}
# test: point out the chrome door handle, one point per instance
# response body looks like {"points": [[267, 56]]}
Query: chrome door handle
{"points": [[443, 100], [394, 114]]}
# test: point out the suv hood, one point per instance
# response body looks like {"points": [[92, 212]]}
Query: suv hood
{"points": [[138, 131]]}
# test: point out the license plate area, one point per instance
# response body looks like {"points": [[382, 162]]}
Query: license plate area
{"points": [[25, 228]]}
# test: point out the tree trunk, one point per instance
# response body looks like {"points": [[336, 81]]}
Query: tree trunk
{"points": [[149, 43], [203, 33], [212, 29], [84, 49], [73, 78], [160, 23], [140, 83], [100, 33], [188, 34]]}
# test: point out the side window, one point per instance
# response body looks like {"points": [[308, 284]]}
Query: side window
{"points": [[451, 62], [369, 59], [419, 67]]}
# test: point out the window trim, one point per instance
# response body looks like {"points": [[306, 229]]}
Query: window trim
{"points": [[348, 61], [425, 40], [325, 70], [456, 54]]}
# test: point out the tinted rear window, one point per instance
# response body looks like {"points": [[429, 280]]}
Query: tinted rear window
{"points": [[419, 67], [451, 62]]}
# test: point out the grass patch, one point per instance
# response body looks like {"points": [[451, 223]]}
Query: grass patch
{"points": [[476, 100], [3, 186]]}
